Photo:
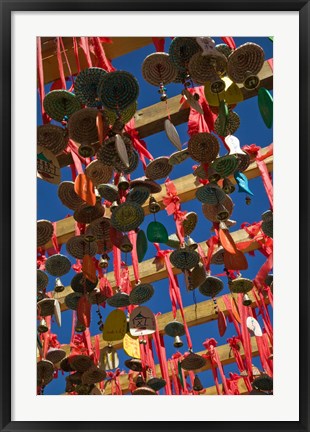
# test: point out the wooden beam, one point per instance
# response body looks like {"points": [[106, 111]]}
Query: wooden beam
{"points": [[118, 47], [186, 188]]}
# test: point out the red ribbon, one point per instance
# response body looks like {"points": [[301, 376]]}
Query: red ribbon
{"points": [[172, 203], [229, 41], [114, 377], [83, 42], [215, 360], [45, 117], [134, 255], [197, 122], [97, 49], [60, 65], [139, 144], [159, 43], [235, 347]]}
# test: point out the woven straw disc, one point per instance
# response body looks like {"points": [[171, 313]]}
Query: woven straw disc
{"points": [[143, 181], [156, 383], [211, 212], [45, 372], [55, 355], [80, 363], [86, 213], [144, 391], [247, 58], [86, 86], [98, 172], [97, 296], [93, 375], [211, 286], [241, 285], [203, 68], [79, 281], [125, 115], [100, 228], [141, 294], [138, 194], [134, 364], [42, 280], [174, 328], [119, 299], [184, 258], [218, 256], [189, 223], [45, 231], [133, 158], [193, 362], [203, 147], [78, 247], [263, 382], [232, 124], [60, 103], [108, 192], [267, 228], [46, 307], [178, 157], [57, 265], [267, 216], [52, 137], [224, 49], [65, 365], [157, 68], [107, 153], [210, 194], [198, 275], [244, 161], [226, 165], [118, 90], [127, 216], [173, 241], [68, 196], [82, 126], [158, 168], [181, 50], [72, 300]]}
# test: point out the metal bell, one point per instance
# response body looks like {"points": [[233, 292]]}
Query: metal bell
{"points": [[104, 261], [246, 301], [223, 213], [126, 245], [43, 326], [197, 384], [114, 205], [154, 207], [59, 287], [79, 328], [191, 243], [177, 342], [123, 183], [40, 295], [98, 196], [86, 150], [89, 236], [251, 82], [140, 381], [228, 186]]}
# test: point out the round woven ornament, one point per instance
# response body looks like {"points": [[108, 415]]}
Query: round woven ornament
{"points": [[133, 158], [87, 214], [267, 224], [211, 286], [119, 299], [108, 192], [138, 194], [156, 383], [244, 161], [240, 285], [124, 116], [193, 362], [210, 194], [184, 258], [144, 391], [158, 168], [78, 247], [150, 184], [65, 365], [107, 153], [134, 364], [45, 372], [100, 228], [141, 294], [173, 241], [218, 256], [232, 124], [157, 69], [86, 86], [198, 275], [42, 280], [46, 307], [97, 296], [248, 58], [118, 90], [57, 265], [80, 363], [174, 328], [98, 172], [127, 216], [189, 223], [93, 375], [80, 283], [223, 49], [181, 50], [61, 104], [203, 147], [178, 157], [263, 382], [45, 231], [68, 196], [52, 137], [218, 212], [55, 355], [82, 126], [225, 165], [203, 68], [72, 299]]}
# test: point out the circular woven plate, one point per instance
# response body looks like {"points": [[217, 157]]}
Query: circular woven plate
{"points": [[210, 194], [133, 158], [97, 296], [244, 161], [212, 212], [127, 216], [45, 231], [246, 58], [198, 275], [241, 285], [189, 223], [174, 328], [87, 214], [178, 157], [138, 194], [150, 184], [144, 391], [42, 280], [218, 256], [193, 362], [125, 115], [108, 192], [263, 382], [98, 172], [86, 86], [181, 51], [134, 364], [232, 124], [79, 282], [82, 126], [52, 137], [55, 355], [107, 153], [100, 228], [156, 383], [78, 247], [226, 165], [141, 294], [211, 286], [45, 372], [204, 68], [203, 147], [80, 363], [157, 68], [93, 375], [184, 258], [118, 90], [224, 49], [65, 365], [267, 216], [72, 300], [158, 168], [46, 307], [57, 265], [68, 197], [59, 104], [119, 299]]}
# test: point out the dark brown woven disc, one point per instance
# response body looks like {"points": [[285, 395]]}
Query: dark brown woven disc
{"points": [[157, 68], [57, 265], [184, 258], [210, 194], [107, 153], [86, 213], [232, 124], [55, 355], [134, 364], [127, 216], [65, 365], [100, 228], [53, 138], [158, 168], [138, 194], [80, 283], [150, 184], [203, 68], [133, 158], [211, 286], [198, 275], [119, 299], [144, 391], [68, 197], [42, 280], [98, 172], [46, 307], [82, 126], [156, 383], [141, 294], [45, 372], [193, 362], [189, 223], [214, 212], [263, 382], [72, 299], [97, 296], [80, 363], [174, 328], [218, 256], [246, 58], [108, 192], [45, 231], [93, 375], [241, 285], [244, 161], [203, 147], [78, 247]]}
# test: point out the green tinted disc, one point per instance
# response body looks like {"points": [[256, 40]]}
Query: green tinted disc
{"points": [[265, 104], [157, 233], [222, 118], [141, 245]]}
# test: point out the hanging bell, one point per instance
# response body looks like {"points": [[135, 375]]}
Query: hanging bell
{"points": [[79, 328], [140, 381], [118, 126], [197, 384], [123, 183], [114, 205], [178, 343], [222, 213], [89, 236], [104, 261], [251, 82], [154, 207], [228, 186], [59, 287], [191, 244], [246, 301], [217, 85], [86, 150], [43, 326], [126, 245], [40, 295]]}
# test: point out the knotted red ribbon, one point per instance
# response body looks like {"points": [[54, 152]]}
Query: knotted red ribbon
{"points": [[161, 354], [98, 50], [159, 43], [235, 347], [45, 117], [197, 122], [210, 345], [113, 377], [139, 144], [172, 203]]}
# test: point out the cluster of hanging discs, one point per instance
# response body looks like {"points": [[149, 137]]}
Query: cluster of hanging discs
{"points": [[94, 117]]}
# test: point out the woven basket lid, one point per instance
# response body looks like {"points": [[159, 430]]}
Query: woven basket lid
{"points": [[45, 372], [241, 285], [65, 365], [138, 194], [267, 216], [211, 286], [52, 137], [232, 124], [156, 383], [203, 147], [100, 228], [181, 50], [246, 58], [189, 223], [218, 256], [211, 194], [124, 115], [42, 280], [107, 153], [150, 184], [97, 296], [244, 161], [203, 68], [184, 258], [267, 228], [158, 168], [226, 165], [224, 49], [133, 158], [68, 196], [45, 231], [214, 212], [59, 104], [57, 265], [98, 172], [82, 126], [46, 307], [118, 90], [75, 378], [198, 275], [78, 247], [134, 364], [86, 86], [72, 299], [173, 241], [144, 391], [263, 382], [120, 299], [81, 363], [193, 362], [157, 68], [178, 157], [127, 216], [174, 328], [87, 214], [55, 355], [141, 294], [80, 283], [93, 375], [108, 192]]}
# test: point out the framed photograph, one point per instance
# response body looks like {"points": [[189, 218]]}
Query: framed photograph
{"points": [[154, 215]]}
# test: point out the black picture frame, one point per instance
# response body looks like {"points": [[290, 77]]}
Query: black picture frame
{"points": [[7, 7]]}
